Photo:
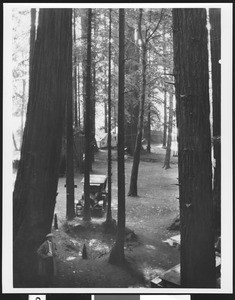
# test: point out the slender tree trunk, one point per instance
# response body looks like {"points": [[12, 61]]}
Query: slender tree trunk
{"points": [[165, 92], [109, 211], [75, 74], [149, 128], [195, 174], [117, 253], [166, 164], [93, 98], [37, 177], [215, 21], [84, 63], [79, 96], [87, 211], [165, 117], [70, 206], [136, 158]]}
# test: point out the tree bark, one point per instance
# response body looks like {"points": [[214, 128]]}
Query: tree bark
{"points": [[35, 188], [87, 211], [136, 158], [215, 21], [195, 176], [117, 255]]}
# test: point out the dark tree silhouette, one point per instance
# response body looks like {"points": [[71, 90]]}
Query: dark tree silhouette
{"points": [[109, 211], [117, 253], [35, 188], [190, 39], [87, 211], [70, 206]]}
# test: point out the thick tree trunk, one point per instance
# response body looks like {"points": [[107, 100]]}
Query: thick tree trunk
{"points": [[195, 176], [117, 253], [166, 164], [136, 158], [215, 21], [35, 189], [87, 211]]}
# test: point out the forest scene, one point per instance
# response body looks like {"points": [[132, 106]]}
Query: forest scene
{"points": [[116, 144]]}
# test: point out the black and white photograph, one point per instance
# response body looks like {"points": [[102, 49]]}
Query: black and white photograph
{"points": [[117, 148]]}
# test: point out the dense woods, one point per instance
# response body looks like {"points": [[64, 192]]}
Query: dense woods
{"points": [[131, 79]]}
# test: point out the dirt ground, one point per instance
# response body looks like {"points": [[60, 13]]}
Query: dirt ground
{"points": [[149, 215]]}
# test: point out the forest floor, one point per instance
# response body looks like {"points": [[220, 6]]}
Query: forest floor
{"points": [[149, 215]]}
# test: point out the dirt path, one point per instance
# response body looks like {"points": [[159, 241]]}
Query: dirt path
{"points": [[148, 215]]}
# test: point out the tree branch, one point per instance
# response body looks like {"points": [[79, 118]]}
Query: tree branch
{"points": [[150, 36]]}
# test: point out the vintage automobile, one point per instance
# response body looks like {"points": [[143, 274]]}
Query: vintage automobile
{"points": [[98, 195]]}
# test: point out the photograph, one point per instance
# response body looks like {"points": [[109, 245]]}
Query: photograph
{"points": [[117, 148]]}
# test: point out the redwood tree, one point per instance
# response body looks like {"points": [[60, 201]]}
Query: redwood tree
{"points": [[87, 211], [195, 179], [117, 254], [109, 211], [35, 188]]}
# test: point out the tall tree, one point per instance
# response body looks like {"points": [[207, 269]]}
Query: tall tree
{"points": [[70, 206], [117, 253], [215, 33], [37, 178], [87, 211], [75, 79], [144, 40], [194, 140], [109, 211]]}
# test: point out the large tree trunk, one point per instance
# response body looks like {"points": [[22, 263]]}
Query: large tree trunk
{"points": [[117, 253], [166, 164], [195, 172], [35, 189], [87, 211], [136, 159], [215, 21]]}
